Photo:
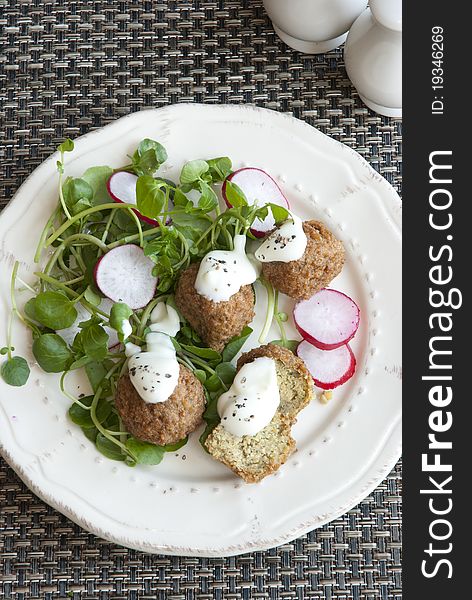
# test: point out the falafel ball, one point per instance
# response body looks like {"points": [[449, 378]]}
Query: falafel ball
{"points": [[215, 322], [163, 422], [322, 260]]}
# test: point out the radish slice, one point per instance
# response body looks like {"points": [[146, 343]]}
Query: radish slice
{"points": [[124, 274], [83, 314], [122, 188], [328, 320], [259, 188], [329, 368]]}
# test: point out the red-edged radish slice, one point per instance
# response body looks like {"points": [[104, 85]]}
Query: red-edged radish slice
{"points": [[83, 314], [124, 274], [122, 188], [260, 188], [329, 319], [329, 368]]}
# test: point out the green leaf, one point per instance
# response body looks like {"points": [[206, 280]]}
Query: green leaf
{"points": [[211, 412], [234, 194], [289, 344], [280, 213], [235, 344], [148, 157], [213, 383], [180, 199], [176, 446], [207, 353], [108, 448], [150, 198], [30, 309], [144, 452], [124, 221], [52, 353], [80, 205], [208, 200], [80, 362], [147, 164], [89, 256], [76, 189], [200, 375], [95, 372], [54, 310], [192, 171], [15, 371], [66, 146], [4, 350], [159, 150], [90, 433], [177, 346], [192, 221], [92, 296], [219, 168], [120, 312], [91, 321], [226, 372], [212, 419], [82, 417], [113, 422], [97, 178], [94, 340], [262, 212]]}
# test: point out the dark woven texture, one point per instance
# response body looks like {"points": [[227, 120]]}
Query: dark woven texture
{"points": [[68, 67]]}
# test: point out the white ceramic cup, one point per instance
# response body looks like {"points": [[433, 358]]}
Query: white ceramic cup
{"points": [[373, 56], [313, 26]]}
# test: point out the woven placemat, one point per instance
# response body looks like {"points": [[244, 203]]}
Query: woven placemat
{"points": [[67, 67]]}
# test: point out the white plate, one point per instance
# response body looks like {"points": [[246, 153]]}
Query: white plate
{"points": [[190, 504]]}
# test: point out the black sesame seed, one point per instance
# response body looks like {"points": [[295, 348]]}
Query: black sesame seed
{"points": [[166, 375]]}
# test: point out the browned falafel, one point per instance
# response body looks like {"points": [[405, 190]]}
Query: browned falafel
{"points": [[215, 322], [163, 422], [322, 260], [253, 457]]}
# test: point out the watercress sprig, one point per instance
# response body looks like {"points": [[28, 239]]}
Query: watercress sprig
{"points": [[15, 370]]}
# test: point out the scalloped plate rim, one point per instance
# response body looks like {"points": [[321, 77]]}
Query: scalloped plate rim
{"points": [[377, 473]]}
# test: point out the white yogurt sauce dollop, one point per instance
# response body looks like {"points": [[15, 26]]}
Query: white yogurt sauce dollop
{"points": [[155, 372], [251, 402], [222, 273], [285, 244]]}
